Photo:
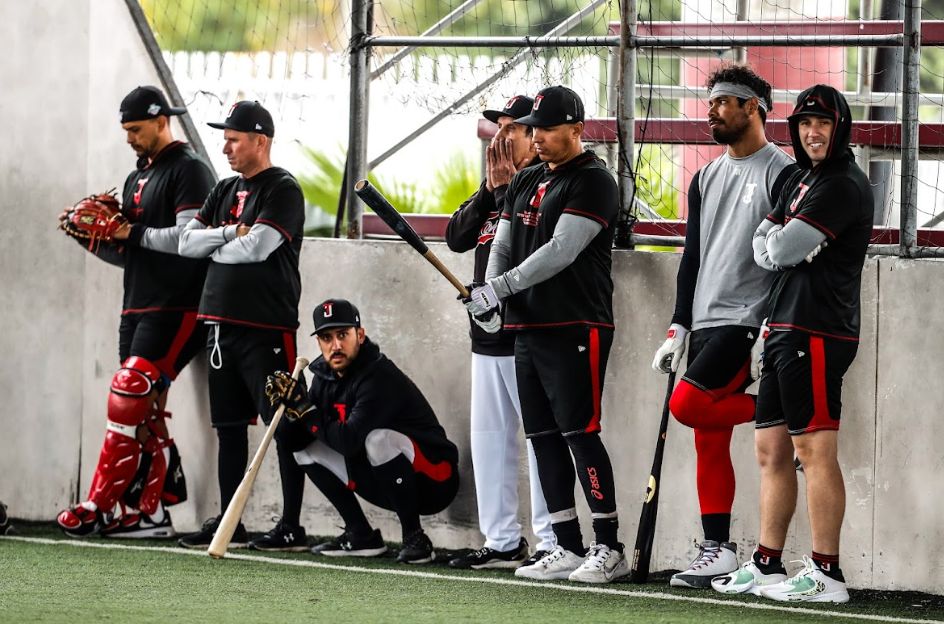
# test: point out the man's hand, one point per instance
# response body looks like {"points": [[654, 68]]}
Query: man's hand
{"points": [[669, 356], [490, 322], [281, 389], [816, 250], [757, 352], [482, 299], [500, 166]]}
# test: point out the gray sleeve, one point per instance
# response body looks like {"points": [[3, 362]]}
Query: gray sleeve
{"points": [[759, 242], [167, 239], [500, 253], [572, 234], [790, 245], [255, 246], [198, 241]]}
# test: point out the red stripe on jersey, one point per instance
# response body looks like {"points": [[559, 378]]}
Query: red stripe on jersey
{"points": [[772, 219], [197, 217], [156, 309], [594, 425], [825, 230], [437, 472], [223, 319], [183, 207], [813, 332], [166, 363], [275, 225], [288, 340], [820, 419], [588, 215]]}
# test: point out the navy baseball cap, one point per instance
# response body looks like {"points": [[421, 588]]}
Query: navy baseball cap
{"points": [[335, 313], [146, 103], [517, 106], [247, 116], [554, 106]]}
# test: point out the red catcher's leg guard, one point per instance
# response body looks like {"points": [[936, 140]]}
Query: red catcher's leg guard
{"points": [[720, 409], [159, 450], [715, 473], [129, 404]]}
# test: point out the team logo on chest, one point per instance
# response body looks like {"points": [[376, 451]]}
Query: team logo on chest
{"points": [[137, 193], [487, 233], [795, 204], [237, 210], [342, 411]]}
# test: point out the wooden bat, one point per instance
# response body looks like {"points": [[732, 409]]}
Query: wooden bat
{"points": [[234, 511], [639, 571], [385, 210]]}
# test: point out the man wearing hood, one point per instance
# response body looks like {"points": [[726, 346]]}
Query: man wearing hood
{"points": [[365, 428], [815, 240]]}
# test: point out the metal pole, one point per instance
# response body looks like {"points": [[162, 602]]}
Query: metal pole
{"points": [[909, 128], [626, 123], [642, 41], [450, 19], [361, 11]]}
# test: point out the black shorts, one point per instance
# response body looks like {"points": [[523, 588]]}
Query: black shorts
{"points": [[432, 496], [802, 381], [239, 362], [719, 359], [168, 339], [560, 376]]}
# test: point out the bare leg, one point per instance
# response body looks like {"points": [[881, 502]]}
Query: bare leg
{"points": [[825, 488], [778, 484]]}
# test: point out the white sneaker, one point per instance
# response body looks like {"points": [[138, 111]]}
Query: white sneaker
{"points": [[602, 565], [746, 579], [808, 585], [713, 560], [556, 565]]}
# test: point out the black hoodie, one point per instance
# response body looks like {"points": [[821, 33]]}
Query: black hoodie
{"points": [[822, 297]]}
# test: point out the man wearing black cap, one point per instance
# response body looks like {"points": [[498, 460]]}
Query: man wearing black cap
{"points": [[365, 428], [496, 413], [550, 265], [139, 467], [815, 240], [251, 229]]}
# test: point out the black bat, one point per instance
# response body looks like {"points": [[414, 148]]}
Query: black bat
{"points": [[385, 210], [646, 533]]}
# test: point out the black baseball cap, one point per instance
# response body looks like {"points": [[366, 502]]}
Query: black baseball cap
{"points": [[247, 116], [517, 106], [818, 100], [147, 103], [554, 106], [335, 313]]}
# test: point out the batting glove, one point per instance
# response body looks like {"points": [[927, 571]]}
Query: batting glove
{"points": [[757, 352], [482, 299], [281, 389], [816, 250], [669, 356], [490, 322]]}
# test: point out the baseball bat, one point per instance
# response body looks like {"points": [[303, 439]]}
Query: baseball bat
{"points": [[646, 533], [234, 511], [385, 210]]}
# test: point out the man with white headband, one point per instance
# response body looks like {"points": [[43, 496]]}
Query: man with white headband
{"points": [[721, 298]]}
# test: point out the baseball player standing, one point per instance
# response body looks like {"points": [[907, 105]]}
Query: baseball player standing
{"points": [[251, 228], [496, 412], [139, 467], [550, 264], [721, 298], [815, 243]]}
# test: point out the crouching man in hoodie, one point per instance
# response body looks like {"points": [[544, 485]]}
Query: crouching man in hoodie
{"points": [[815, 240], [365, 428]]}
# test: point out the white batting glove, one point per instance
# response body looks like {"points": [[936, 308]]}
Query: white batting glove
{"points": [[669, 356], [491, 322], [816, 250], [482, 299], [757, 352]]}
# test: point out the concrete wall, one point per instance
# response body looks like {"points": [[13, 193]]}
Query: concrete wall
{"points": [[60, 315]]}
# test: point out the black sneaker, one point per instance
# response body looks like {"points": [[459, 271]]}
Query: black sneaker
{"points": [[202, 538], [5, 526], [537, 556], [416, 548], [137, 525], [487, 558], [283, 537], [350, 545]]}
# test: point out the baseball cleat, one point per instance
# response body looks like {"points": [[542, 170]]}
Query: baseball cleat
{"points": [[713, 560], [602, 565], [283, 537], [137, 525], [350, 545], [557, 565], [416, 548], [80, 521], [202, 538], [810, 584], [747, 579], [489, 558]]}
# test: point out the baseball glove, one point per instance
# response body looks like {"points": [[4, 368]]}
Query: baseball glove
{"points": [[94, 219]]}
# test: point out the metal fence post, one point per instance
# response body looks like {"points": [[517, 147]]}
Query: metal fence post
{"points": [[361, 16], [626, 121], [911, 65]]}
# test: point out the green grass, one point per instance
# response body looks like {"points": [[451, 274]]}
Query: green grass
{"points": [[65, 582]]}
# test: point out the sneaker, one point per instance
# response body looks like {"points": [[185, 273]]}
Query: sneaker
{"points": [[537, 556], [554, 566], [602, 565], [202, 538], [137, 525], [349, 545], [416, 548], [283, 537], [487, 558], [810, 584], [746, 579], [713, 560], [5, 527], [81, 521]]}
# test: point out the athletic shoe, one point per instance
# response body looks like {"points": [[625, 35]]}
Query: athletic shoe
{"points": [[81, 521], [556, 565], [808, 585], [487, 558], [537, 556], [746, 579], [282, 537], [416, 548], [713, 560], [139, 525], [350, 545], [602, 565], [202, 538], [5, 526]]}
